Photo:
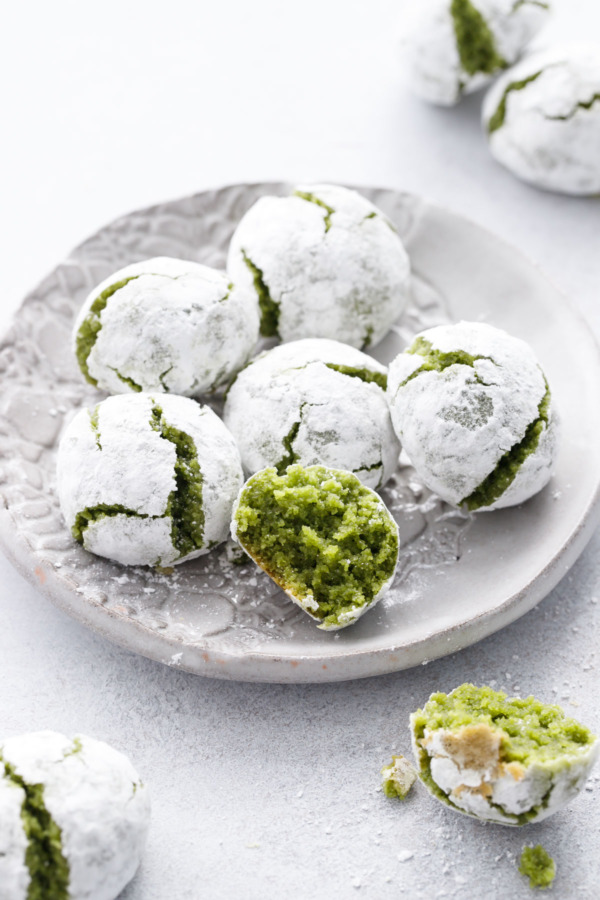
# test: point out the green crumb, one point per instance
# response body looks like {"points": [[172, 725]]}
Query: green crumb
{"points": [[185, 502], [367, 375], [437, 360], [91, 325], [321, 535], [497, 120], [474, 40], [398, 778], [508, 466], [48, 869], [269, 309], [538, 866], [312, 198], [531, 732]]}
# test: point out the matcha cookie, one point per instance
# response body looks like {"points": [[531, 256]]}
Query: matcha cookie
{"points": [[453, 47], [542, 120], [322, 536], [323, 262], [474, 412], [314, 402], [73, 818], [505, 759], [165, 325], [148, 479]]}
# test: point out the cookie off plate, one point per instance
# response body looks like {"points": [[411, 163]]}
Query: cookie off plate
{"points": [[460, 576]]}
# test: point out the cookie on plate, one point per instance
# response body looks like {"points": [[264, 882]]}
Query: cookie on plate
{"points": [[315, 402], [322, 536], [165, 325], [474, 412], [323, 262], [148, 479]]}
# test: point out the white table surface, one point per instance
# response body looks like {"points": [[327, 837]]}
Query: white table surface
{"points": [[262, 790]]}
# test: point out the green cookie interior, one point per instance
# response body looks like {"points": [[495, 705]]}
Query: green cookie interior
{"points": [[474, 40], [48, 869], [321, 535], [532, 732]]}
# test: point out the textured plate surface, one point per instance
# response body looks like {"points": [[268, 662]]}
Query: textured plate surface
{"points": [[460, 577]]}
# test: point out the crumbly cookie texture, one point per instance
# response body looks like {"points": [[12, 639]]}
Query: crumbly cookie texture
{"points": [[474, 412], [165, 325], [537, 865], [542, 120], [148, 479], [74, 816], [322, 536], [323, 262], [316, 402], [505, 759], [398, 778], [453, 47]]}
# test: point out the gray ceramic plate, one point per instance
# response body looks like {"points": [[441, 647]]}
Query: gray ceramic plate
{"points": [[459, 578]]}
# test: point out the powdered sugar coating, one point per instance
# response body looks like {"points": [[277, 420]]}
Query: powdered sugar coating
{"points": [[341, 274], [542, 119], [96, 798], [175, 326], [14, 875], [429, 52], [289, 394], [458, 423], [112, 455], [501, 792]]}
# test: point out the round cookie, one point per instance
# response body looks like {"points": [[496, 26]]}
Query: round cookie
{"points": [[322, 536], [542, 120], [323, 262], [474, 412], [148, 480], [165, 325], [314, 402], [504, 759], [74, 816], [453, 47]]}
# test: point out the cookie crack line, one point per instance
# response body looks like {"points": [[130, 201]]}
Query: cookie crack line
{"points": [[474, 40], [269, 309], [367, 375], [584, 104], [184, 505], [312, 198], [520, 3], [438, 360], [94, 413], [497, 120], [49, 871], [128, 381], [91, 514], [508, 466], [291, 456]]}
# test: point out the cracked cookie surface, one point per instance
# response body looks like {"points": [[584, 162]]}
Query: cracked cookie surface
{"points": [[314, 401], [165, 325], [542, 120], [148, 479], [323, 262], [474, 412]]}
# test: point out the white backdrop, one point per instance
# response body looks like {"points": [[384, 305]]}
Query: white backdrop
{"points": [[264, 791]]}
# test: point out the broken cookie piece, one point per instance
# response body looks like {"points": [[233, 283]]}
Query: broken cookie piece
{"points": [[74, 816], [398, 778], [507, 760], [322, 536], [148, 479], [537, 865]]}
